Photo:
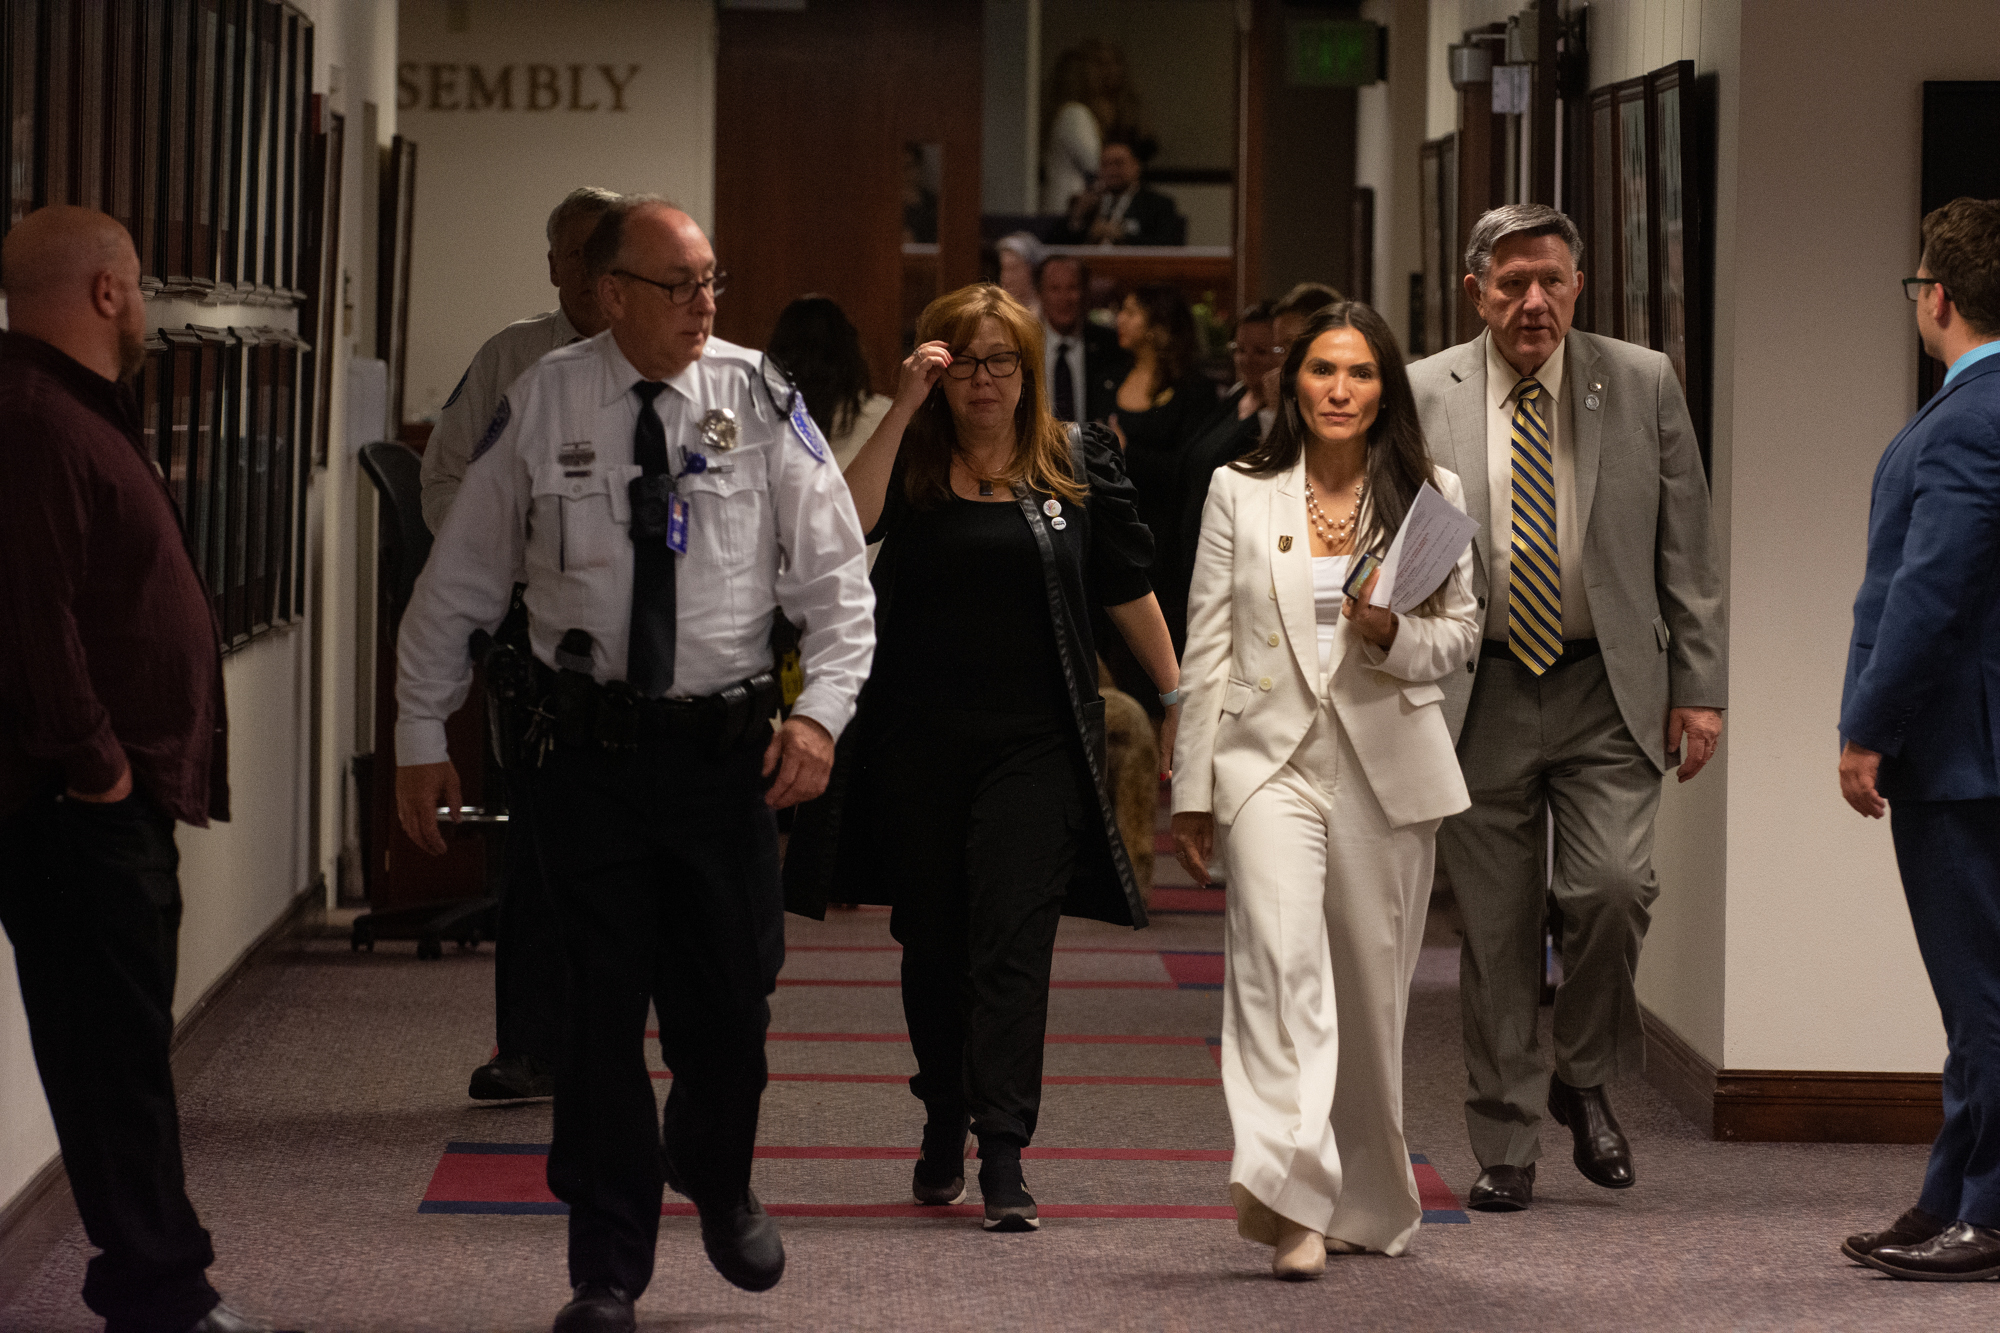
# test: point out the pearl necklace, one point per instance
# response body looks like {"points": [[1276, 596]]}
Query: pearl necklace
{"points": [[1335, 535]]}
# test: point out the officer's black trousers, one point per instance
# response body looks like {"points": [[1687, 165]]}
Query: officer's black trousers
{"points": [[982, 816], [662, 867], [527, 949], [90, 896]]}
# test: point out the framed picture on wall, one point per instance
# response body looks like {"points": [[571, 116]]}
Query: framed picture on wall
{"points": [[319, 259], [1683, 273], [1450, 290], [392, 302], [1635, 233], [1427, 321]]}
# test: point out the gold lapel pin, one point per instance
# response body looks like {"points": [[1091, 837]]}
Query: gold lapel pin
{"points": [[1284, 543]]}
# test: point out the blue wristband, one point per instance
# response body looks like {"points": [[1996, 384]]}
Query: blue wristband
{"points": [[1170, 698]]}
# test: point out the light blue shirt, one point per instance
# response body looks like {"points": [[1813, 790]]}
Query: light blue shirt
{"points": [[1966, 362]]}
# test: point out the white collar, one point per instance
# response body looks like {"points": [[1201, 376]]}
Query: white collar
{"points": [[620, 375], [1502, 379]]}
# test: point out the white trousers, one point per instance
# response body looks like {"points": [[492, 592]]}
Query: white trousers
{"points": [[1326, 906]]}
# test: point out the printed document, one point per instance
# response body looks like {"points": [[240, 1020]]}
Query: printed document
{"points": [[1434, 534]]}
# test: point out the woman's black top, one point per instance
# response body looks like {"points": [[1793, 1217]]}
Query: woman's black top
{"points": [[972, 628], [1155, 442], [928, 592]]}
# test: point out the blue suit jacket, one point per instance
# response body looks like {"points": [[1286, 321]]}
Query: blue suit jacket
{"points": [[1923, 667]]}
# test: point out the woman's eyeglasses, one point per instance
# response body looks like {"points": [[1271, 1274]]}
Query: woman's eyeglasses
{"points": [[999, 365]]}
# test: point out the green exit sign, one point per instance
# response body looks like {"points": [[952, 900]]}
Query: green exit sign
{"points": [[1334, 53]]}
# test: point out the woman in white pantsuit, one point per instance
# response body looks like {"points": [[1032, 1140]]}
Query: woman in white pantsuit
{"points": [[1314, 758]]}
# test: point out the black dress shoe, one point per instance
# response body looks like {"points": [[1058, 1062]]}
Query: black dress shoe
{"points": [[222, 1319], [596, 1307], [940, 1174], [744, 1245], [1009, 1206], [1961, 1252], [1601, 1151], [1502, 1189], [1912, 1228], [511, 1078]]}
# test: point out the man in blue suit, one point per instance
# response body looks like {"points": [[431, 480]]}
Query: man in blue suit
{"points": [[1920, 721]]}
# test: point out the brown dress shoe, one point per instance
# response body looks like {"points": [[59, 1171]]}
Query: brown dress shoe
{"points": [[1912, 1228], [1961, 1252]]}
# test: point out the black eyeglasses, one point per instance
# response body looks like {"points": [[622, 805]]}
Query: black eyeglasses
{"points": [[681, 293], [999, 365], [1914, 287]]}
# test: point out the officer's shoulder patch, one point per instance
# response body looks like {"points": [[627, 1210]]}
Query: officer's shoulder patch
{"points": [[501, 416], [460, 387], [808, 430]]}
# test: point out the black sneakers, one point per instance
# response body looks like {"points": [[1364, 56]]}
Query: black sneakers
{"points": [[1009, 1206], [940, 1174]]}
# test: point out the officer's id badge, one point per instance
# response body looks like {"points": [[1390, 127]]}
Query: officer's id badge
{"points": [[677, 524], [501, 416], [809, 434], [719, 430], [576, 458]]}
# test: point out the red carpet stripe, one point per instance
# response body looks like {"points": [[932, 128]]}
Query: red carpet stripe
{"points": [[1070, 1080], [1207, 902]]}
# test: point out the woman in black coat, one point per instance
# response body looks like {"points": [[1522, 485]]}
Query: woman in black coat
{"points": [[970, 791]]}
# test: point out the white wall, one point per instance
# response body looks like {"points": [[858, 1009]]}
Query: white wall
{"points": [[237, 878], [1389, 132], [1823, 970], [487, 178]]}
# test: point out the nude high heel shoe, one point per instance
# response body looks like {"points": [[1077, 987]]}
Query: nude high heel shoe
{"points": [[1300, 1255]]}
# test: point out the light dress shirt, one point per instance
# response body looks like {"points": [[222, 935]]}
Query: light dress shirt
{"points": [[1052, 346], [464, 417], [770, 527], [1970, 359], [1501, 382]]}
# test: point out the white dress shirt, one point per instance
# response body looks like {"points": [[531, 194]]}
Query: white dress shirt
{"points": [[1069, 347], [770, 526], [464, 417], [1501, 382]]}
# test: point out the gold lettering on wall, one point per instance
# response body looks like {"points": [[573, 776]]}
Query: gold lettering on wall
{"points": [[428, 86]]}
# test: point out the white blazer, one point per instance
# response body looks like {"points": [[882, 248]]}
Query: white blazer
{"points": [[1250, 680]]}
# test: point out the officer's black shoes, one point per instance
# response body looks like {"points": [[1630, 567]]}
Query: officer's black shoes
{"points": [[511, 1078], [940, 1173], [222, 1319], [1009, 1206], [744, 1245], [596, 1307]]}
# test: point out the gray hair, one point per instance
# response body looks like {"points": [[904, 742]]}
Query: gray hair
{"points": [[1497, 224], [600, 252], [589, 199]]}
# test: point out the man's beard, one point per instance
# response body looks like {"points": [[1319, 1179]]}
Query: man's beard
{"points": [[131, 352]]}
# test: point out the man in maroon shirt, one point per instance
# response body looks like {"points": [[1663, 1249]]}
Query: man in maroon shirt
{"points": [[111, 728]]}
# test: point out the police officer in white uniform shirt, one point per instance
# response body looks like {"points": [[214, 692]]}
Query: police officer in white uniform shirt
{"points": [[666, 494], [501, 358], [527, 960]]}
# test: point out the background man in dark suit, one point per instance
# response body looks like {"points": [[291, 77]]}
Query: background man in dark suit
{"points": [[1084, 361], [1920, 717], [1120, 209]]}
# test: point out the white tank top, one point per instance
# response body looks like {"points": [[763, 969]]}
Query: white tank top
{"points": [[1329, 573]]}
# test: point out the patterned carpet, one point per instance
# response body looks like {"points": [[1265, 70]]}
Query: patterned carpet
{"points": [[351, 1186]]}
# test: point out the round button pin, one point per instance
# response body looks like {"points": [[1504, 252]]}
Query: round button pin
{"points": [[1051, 508], [1058, 523]]}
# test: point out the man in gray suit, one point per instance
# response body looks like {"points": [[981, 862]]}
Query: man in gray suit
{"points": [[1603, 665]]}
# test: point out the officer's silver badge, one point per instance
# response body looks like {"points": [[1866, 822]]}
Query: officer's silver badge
{"points": [[719, 430], [577, 454]]}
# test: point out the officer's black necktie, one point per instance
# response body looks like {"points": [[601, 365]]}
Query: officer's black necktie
{"points": [[1065, 404], [650, 654]]}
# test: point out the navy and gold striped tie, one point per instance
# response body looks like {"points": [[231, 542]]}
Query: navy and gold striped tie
{"points": [[1534, 608]]}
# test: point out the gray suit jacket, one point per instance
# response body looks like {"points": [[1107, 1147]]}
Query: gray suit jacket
{"points": [[1642, 506]]}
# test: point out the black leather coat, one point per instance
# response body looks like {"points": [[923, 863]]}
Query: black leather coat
{"points": [[1099, 556]]}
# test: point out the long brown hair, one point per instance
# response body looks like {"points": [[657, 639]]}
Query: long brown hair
{"points": [[1398, 462], [1041, 458]]}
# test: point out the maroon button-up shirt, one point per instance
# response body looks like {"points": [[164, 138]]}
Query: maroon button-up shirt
{"points": [[109, 653]]}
